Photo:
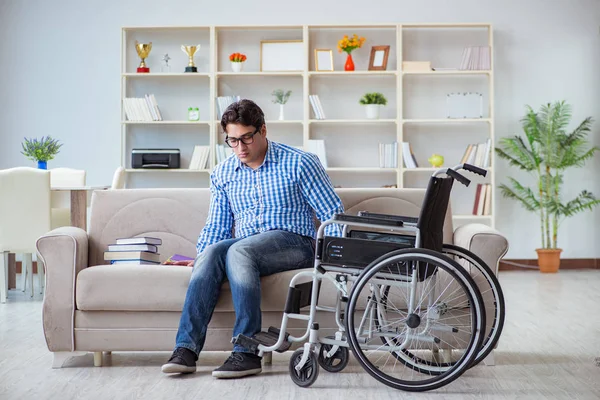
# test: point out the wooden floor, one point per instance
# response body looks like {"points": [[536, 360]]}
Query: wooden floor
{"points": [[547, 351]]}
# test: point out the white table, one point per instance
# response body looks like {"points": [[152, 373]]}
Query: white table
{"points": [[79, 202]]}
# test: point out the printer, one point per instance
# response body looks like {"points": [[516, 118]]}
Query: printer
{"points": [[155, 158]]}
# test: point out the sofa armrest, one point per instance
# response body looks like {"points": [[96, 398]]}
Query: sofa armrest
{"points": [[488, 243], [64, 252]]}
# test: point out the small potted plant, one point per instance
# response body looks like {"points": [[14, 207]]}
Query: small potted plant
{"points": [[373, 103], [281, 97], [237, 61], [546, 152], [42, 150], [348, 45]]}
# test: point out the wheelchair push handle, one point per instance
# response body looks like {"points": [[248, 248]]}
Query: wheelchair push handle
{"points": [[474, 169], [462, 179]]}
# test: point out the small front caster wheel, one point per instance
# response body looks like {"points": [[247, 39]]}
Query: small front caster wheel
{"points": [[337, 362], [309, 372]]}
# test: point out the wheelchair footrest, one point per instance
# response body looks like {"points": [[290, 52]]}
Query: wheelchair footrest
{"points": [[266, 338]]}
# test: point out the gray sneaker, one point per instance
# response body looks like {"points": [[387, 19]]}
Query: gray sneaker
{"points": [[238, 365], [182, 361]]}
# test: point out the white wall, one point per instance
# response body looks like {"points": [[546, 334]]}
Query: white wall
{"points": [[60, 67]]}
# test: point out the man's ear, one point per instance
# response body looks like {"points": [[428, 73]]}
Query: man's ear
{"points": [[263, 130]]}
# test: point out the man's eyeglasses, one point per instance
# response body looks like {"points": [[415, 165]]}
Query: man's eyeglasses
{"points": [[248, 138]]}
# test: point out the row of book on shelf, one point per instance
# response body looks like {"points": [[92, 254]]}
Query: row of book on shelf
{"points": [[142, 108], [478, 154], [224, 101], [483, 199], [388, 155], [201, 154], [476, 58]]}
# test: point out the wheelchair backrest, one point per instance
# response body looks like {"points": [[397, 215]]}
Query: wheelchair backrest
{"points": [[433, 212]]}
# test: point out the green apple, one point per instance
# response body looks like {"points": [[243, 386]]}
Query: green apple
{"points": [[436, 160]]}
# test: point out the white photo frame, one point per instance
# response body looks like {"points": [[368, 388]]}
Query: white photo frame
{"points": [[281, 55], [323, 60]]}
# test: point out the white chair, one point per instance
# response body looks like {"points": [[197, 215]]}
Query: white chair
{"points": [[118, 181], [61, 200], [24, 217]]}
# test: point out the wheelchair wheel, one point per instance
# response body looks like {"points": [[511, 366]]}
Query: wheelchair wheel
{"points": [[493, 301], [491, 292], [309, 373], [337, 362], [420, 301]]}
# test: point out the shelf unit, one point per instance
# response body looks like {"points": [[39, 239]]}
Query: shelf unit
{"points": [[351, 139]]}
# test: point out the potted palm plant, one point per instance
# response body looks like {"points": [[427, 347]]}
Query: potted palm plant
{"points": [[42, 150], [373, 103], [547, 150]]}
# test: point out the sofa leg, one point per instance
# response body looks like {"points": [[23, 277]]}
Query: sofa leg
{"points": [[97, 359], [61, 356], [490, 360], [268, 358]]}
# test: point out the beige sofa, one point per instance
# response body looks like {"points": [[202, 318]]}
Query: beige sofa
{"points": [[92, 307]]}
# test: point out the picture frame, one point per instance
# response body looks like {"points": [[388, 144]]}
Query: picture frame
{"points": [[323, 60], [281, 55], [379, 58]]}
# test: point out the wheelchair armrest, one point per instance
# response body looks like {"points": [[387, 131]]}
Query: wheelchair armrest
{"points": [[410, 220], [349, 219]]}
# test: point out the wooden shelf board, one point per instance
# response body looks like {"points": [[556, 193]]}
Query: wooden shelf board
{"points": [[166, 75], [165, 122], [352, 121], [261, 73], [446, 120], [449, 72], [369, 169], [168, 170]]}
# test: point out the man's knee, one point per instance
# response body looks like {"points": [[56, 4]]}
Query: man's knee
{"points": [[242, 264], [210, 261]]}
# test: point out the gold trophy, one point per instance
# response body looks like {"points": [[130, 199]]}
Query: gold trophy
{"points": [[143, 50], [190, 51]]}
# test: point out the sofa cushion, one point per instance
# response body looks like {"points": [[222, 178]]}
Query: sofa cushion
{"points": [[163, 288]]}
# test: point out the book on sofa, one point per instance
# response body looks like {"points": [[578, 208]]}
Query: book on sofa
{"points": [[132, 256], [135, 250], [140, 240]]}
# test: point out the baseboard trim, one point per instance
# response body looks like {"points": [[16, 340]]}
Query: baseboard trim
{"points": [[565, 263]]}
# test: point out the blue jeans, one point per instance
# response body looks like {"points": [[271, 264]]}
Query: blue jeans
{"points": [[242, 262]]}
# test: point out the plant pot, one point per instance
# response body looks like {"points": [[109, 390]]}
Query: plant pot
{"points": [[281, 117], [373, 111], [548, 260], [43, 164], [237, 66], [349, 66]]}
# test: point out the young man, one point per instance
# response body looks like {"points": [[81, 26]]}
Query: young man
{"points": [[268, 192]]}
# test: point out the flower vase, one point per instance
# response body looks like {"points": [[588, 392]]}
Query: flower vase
{"points": [[281, 118], [349, 66], [42, 164], [236, 66]]}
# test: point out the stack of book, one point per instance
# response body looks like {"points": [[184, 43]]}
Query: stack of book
{"points": [[135, 250]]}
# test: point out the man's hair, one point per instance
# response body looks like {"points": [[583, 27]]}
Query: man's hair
{"points": [[244, 112]]}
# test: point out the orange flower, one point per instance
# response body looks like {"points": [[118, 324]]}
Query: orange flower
{"points": [[237, 57], [350, 44]]}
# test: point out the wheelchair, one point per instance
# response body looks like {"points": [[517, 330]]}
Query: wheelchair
{"points": [[415, 312]]}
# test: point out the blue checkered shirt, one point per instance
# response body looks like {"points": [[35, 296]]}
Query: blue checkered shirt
{"points": [[283, 193]]}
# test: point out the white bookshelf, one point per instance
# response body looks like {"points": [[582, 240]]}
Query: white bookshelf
{"points": [[415, 111]]}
